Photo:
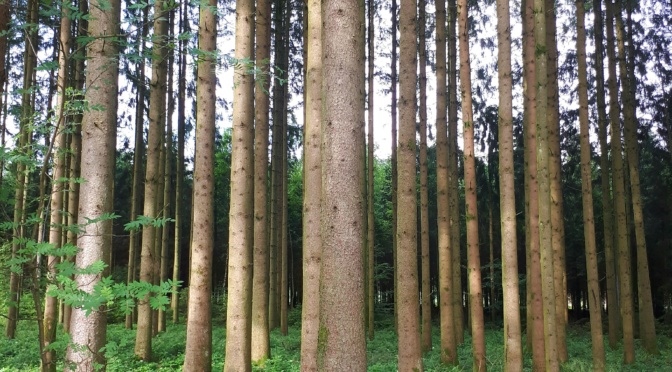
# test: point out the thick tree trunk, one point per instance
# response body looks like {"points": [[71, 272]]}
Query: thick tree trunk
{"points": [[99, 129], [312, 188], [595, 306], [341, 337], [625, 275], [198, 350], [473, 255]]}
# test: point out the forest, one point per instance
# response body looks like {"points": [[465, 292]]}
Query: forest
{"points": [[336, 185]]}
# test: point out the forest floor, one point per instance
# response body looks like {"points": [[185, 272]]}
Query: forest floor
{"points": [[22, 353]]}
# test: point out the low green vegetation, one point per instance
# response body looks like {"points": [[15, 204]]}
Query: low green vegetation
{"points": [[21, 354]]}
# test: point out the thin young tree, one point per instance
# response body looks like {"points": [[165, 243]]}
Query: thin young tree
{"points": [[198, 351], [342, 337], [408, 323], [393, 156], [613, 309], [99, 132], [647, 324], [513, 349], [148, 254], [594, 303], [312, 244], [618, 184], [261, 347], [241, 227], [446, 284], [424, 197], [370, 164]]}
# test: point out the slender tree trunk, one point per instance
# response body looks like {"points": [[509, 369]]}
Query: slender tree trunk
{"points": [[424, 202], [198, 353], [595, 306], [613, 309], [446, 284], [453, 175], [241, 228], [625, 275], [474, 260], [99, 130], [148, 255], [393, 157], [647, 329], [513, 349], [544, 183], [491, 245], [370, 158], [284, 267], [261, 348], [555, 173], [312, 244]]}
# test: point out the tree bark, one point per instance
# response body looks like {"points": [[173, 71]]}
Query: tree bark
{"points": [[393, 157], [370, 158]]}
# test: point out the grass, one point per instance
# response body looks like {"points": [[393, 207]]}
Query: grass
{"points": [[21, 354]]}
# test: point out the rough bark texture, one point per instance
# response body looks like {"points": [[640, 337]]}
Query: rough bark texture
{"points": [[341, 337], [312, 188], [148, 254], [424, 202], [618, 184], [513, 350], [198, 350], [647, 325], [613, 308], [241, 227], [370, 159], [543, 179], [261, 347], [99, 130], [410, 356], [446, 284], [473, 256], [594, 302]]}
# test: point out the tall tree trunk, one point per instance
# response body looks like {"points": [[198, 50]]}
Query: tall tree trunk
{"points": [[198, 350], [393, 157], [555, 173], [284, 267], [595, 305], [410, 356], [370, 186], [241, 228], [58, 183], [446, 284], [138, 157], [513, 349], [341, 337], [261, 347], [625, 275], [473, 255], [312, 189], [424, 202], [613, 309], [647, 327], [544, 183], [27, 108], [453, 175], [99, 131], [148, 255]]}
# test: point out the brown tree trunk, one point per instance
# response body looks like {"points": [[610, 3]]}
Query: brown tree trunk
{"points": [[595, 306], [625, 275], [99, 129], [312, 188], [198, 350], [148, 255], [513, 350], [370, 186], [341, 337], [424, 202], [241, 228], [613, 309], [261, 347], [284, 267], [393, 157], [647, 327], [473, 255]]}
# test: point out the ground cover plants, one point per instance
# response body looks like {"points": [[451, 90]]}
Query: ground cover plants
{"points": [[21, 354]]}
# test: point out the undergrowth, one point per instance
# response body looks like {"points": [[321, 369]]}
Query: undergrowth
{"points": [[21, 354]]}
